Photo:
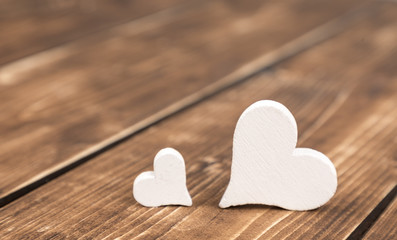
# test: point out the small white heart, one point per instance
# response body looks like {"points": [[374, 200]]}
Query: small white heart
{"points": [[268, 169], [166, 185]]}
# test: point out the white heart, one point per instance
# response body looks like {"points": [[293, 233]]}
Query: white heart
{"points": [[267, 168], [166, 185]]}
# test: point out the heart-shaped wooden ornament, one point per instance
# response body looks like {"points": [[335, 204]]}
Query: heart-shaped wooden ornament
{"points": [[267, 168], [166, 185]]}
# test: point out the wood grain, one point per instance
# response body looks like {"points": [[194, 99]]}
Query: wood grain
{"points": [[64, 104], [28, 27], [343, 95], [386, 226]]}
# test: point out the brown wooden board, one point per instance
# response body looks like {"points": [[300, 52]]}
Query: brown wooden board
{"points": [[28, 27], [62, 105], [343, 95], [386, 226]]}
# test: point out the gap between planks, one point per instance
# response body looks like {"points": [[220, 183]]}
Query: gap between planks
{"points": [[386, 225], [372, 218], [253, 68]]}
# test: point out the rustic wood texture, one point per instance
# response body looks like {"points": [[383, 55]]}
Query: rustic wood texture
{"points": [[386, 226], [64, 104], [343, 95], [29, 26]]}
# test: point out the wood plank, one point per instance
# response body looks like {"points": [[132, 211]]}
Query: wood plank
{"points": [[345, 107], [386, 226], [65, 104], [28, 26]]}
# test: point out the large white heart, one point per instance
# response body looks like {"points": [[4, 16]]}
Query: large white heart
{"points": [[166, 185], [268, 169]]}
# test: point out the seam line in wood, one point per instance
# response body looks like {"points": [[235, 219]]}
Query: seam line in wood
{"points": [[246, 72], [373, 216]]}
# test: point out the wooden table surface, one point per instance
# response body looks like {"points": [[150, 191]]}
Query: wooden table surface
{"points": [[91, 90]]}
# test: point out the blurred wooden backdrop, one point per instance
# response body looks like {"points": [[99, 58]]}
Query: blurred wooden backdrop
{"points": [[91, 90]]}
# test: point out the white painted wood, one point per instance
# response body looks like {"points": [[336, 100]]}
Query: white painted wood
{"points": [[268, 169], [166, 185]]}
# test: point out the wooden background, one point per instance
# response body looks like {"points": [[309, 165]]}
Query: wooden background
{"points": [[91, 90]]}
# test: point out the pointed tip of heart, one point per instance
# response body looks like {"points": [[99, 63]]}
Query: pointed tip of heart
{"points": [[224, 204], [225, 200], [188, 202]]}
